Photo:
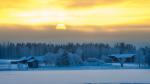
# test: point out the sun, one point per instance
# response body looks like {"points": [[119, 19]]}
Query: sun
{"points": [[61, 27]]}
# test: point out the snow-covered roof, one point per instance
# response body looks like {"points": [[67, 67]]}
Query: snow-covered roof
{"points": [[31, 60], [38, 58], [30, 57], [122, 55]]}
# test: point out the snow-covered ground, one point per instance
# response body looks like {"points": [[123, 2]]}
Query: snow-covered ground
{"points": [[108, 73], [76, 76]]}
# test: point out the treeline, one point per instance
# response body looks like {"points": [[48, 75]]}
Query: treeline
{"points": [[88, 50]]}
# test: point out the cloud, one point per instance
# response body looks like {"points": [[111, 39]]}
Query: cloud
{"points": [[87, 3], [70, 12], [61, 3]]}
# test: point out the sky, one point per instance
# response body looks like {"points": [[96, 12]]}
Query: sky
{"points": [[75, 20]]}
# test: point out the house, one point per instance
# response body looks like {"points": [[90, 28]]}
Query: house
{"points": [[33, 63], [128, 57], [30, 62], [122, 58]]}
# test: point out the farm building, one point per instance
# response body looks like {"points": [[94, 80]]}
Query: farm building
{"points": [[128, 57]]}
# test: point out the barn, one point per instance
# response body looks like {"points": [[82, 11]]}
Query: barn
{"points": [[129, 58], [31, 62]]}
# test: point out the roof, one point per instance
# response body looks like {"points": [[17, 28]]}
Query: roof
{"points": [[122, 55], [31, 60]]}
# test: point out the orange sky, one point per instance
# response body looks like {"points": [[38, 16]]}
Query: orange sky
{"points": [[88, 16], [75, 12]]}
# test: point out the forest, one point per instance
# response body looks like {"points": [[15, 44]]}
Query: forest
{"points": [[86, 51]]}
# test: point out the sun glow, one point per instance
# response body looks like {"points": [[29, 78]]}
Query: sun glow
{"points": [[61, 27]]}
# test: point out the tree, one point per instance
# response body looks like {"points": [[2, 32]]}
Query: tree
{"points": [[123, 48], [63, 60], [140, 57]]}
